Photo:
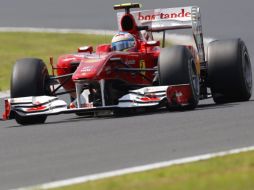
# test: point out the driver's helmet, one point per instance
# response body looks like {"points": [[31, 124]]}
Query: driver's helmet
{"points": [[123, 41]]}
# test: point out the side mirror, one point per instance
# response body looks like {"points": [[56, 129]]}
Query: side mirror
{"points": [[85, 49]]}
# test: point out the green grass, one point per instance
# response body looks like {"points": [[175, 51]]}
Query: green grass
{"points": [[234, 172], [17, 45]]}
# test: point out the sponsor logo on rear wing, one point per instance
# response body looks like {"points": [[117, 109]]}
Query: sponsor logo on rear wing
{"points": [[162, 19]]}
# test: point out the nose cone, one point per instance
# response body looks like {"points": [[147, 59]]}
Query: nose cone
{"points": [[88, 68]]}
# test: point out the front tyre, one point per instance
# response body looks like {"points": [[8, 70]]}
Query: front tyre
{"points": [[29, 78], [177, 66]]}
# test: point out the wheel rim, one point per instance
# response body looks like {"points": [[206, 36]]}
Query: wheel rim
{"points": [[247, 73], [194, 78]]}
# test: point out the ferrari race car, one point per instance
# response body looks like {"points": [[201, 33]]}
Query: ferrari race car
{"points": [[134, 71]]}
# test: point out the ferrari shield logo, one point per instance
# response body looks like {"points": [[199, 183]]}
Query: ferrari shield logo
{"points": [[142, 65]]}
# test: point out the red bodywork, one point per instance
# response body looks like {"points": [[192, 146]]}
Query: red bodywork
{"points": [[137, 66], [101, 65], [107, 64]]}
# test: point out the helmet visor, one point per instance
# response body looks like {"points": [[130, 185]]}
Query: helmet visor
{"points": [[123, 45]]}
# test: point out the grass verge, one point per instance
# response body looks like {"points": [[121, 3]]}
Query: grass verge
{"points": [[17, 45], [234, 172]]}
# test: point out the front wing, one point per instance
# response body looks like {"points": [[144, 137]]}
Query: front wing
{"points": [[154, 96]]}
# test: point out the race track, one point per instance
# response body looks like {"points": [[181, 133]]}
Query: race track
{"points": [[68, 146]]}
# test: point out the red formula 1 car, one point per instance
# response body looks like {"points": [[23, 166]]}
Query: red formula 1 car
{"points": [[134, 71]]}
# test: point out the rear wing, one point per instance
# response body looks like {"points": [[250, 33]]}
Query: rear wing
{"points": [[163, 19], [170, 19]]}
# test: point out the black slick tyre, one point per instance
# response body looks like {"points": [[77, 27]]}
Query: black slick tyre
{"points": [[29, 78], [177, 66], [229, 71]]}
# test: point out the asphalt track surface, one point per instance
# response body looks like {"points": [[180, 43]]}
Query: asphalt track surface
{"points": [[68, 146]]}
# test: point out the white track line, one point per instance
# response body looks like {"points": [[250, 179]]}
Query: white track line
{"points": [[4, 94], [179, 39], [136, 169], [57, 30]]}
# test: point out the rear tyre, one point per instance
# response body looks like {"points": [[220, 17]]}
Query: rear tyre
{"points": [[229, 71], [177, 66], [29, 78]]}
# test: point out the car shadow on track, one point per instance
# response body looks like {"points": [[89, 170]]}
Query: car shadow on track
{"points": [[144, 112]]}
